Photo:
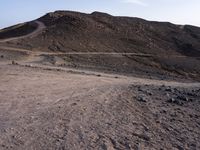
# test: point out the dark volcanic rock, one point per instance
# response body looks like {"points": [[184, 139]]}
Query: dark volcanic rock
{"points": [[183, 98], [141, 98]]}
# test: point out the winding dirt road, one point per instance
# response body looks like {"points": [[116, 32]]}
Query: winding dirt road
{"points": [[40, 27]]}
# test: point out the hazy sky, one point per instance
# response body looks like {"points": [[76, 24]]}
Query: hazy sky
{"points": [[176, 11]]}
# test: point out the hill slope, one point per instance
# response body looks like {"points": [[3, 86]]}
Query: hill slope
{"points": [[173, 49], [72, 31]]}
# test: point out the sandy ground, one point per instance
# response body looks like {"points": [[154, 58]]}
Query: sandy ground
{"points": [[47, 108]]}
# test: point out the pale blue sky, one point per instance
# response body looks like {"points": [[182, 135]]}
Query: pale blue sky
{"points": [[176, 11]]}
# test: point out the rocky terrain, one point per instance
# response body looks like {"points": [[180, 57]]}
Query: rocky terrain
{"points": [[51, 108], [155, 48], [70, 80]]}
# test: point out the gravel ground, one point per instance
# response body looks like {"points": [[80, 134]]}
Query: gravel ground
{"points": [[47, 108]]}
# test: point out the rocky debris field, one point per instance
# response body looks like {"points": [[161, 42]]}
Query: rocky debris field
{"points": [[174, 112]]}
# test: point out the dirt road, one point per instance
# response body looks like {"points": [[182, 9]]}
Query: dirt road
{"points": [[40, 27], [48, 108]]}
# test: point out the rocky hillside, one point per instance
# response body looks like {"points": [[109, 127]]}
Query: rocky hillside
{"points": [[72, 31], [173, 48]]}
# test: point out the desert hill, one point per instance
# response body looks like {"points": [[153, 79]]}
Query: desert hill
{"points": [[100, 32], [158, 48]]}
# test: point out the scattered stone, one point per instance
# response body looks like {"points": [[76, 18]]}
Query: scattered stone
{"points": [[163, 111], [139, 89], [163, 85], [175, 89], [192, 94], [172, 100], [30, 65], [179, 147], [73, 104], [169, 89], [183, 98], [142, 136], [14, 63], [149, 93], [175, 101], [141, 98]]}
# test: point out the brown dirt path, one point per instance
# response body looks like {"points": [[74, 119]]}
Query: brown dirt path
{"points": [[51, 108], [40, 27]]}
